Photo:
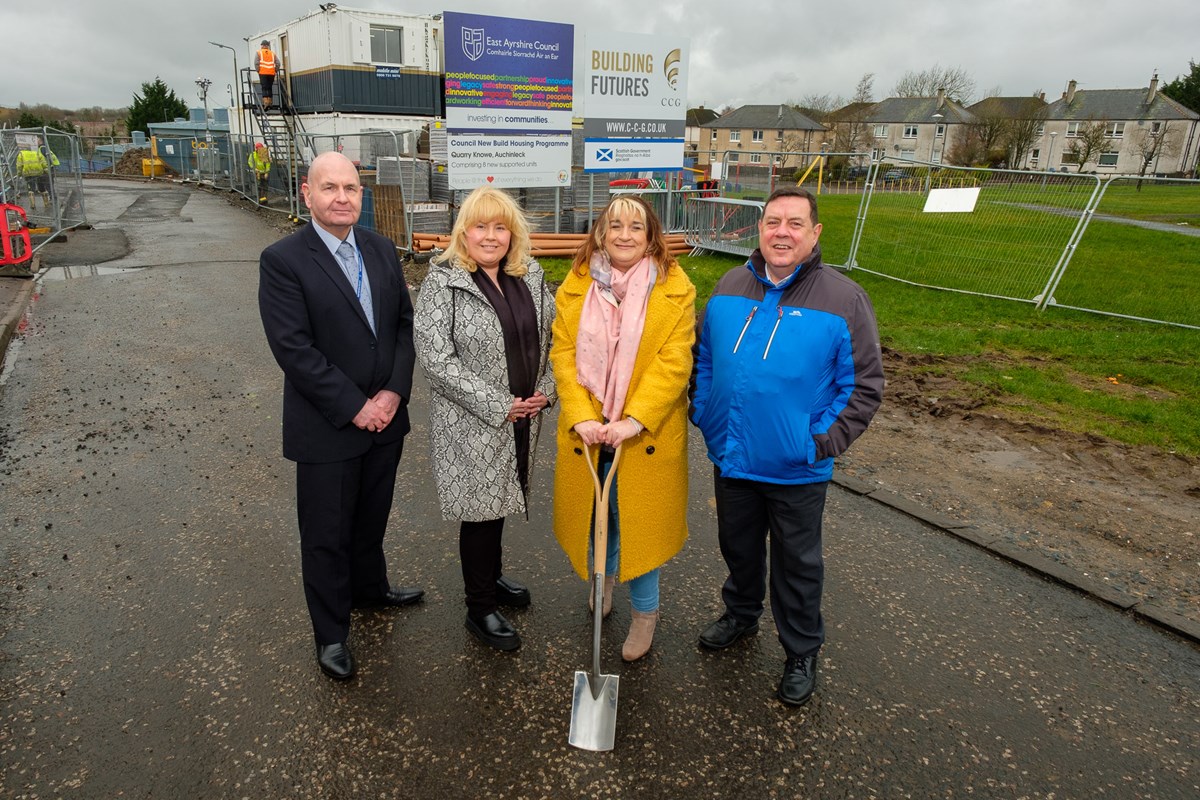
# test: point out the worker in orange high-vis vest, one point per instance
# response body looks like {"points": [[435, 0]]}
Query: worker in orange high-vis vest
{"points": [[267, 65]]}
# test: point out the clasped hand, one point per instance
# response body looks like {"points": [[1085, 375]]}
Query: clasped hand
{"points": [[527, 407], [376, 414], [611, 433]]}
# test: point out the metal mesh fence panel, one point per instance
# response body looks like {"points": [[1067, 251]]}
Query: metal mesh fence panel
{"points": [[1139, 255], [40, 171], [723, 224], [1000, 233]]}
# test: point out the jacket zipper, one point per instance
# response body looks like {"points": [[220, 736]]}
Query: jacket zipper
{"points": [[749, 317], [778, 319]]}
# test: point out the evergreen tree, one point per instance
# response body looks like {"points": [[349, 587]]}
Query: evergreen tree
{"points": [[1186, 89], [157, 103]]}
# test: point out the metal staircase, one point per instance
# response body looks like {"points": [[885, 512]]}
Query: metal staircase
{"points": [[281, 129]]}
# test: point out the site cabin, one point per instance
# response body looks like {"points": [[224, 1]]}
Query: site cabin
{"points": [[339, 61]]}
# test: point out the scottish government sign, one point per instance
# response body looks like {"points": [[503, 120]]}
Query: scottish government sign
{"points": [[509, 95], [635, 102]]}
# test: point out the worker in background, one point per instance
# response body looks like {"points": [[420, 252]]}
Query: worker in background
{"points": [[266, 65], [260, 162], [35, 169]]}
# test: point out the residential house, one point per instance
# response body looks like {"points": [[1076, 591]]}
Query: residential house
{"points": [[696, 117], [917, 128], [1142, 127], [769, 135]]}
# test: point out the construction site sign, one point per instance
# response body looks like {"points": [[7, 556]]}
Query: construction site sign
{"points": [[509, 98], [634, 95]]}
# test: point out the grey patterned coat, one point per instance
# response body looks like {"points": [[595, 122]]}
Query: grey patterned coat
{"points": [[461, 348]]}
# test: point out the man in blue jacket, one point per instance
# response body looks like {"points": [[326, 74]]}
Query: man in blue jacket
{"points": [[788, 374]]}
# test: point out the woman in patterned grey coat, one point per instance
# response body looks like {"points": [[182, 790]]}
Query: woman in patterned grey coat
{"points": [[482, 331]]}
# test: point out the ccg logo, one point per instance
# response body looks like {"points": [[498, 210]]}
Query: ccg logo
{"points": [[472, 43], [671, 67]]}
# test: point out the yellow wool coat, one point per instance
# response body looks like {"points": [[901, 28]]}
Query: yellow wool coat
{"points": [[652, 477]]}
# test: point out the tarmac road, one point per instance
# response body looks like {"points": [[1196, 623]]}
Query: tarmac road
{"points": [[154, 641]]}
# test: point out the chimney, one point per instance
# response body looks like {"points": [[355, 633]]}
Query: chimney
{"points": [[1070, 95], [1042, 96], [1153, 89], [941, 98]]}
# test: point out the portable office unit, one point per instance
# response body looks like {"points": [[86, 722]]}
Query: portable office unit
{"points": [[349, 61]]}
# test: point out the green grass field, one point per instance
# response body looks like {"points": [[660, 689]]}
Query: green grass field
{"points": [[1131, 381]]}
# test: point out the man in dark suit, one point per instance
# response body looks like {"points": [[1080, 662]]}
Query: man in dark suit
{"points": [[338, 318]]}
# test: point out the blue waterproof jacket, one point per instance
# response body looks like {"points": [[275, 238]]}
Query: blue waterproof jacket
{"points": [[786, 376]]}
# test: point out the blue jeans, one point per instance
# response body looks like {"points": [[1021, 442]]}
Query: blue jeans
{"points": [[643, 590]]}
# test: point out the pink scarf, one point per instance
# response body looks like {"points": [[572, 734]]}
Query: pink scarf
{"points": [[610, 330]]}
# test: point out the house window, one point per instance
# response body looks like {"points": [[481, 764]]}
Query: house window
{"points": [[910, 131], [756, 136], [909, 154], [732, 157], [881, 131], [1035, 156], [385, 45], [1072, 130], [1041, 129], [779, 136], [1155, 127], [1115, 130], [714, 134], [735, 136], [1069, 158], [755, 158], [941, 131], [878, 154], [1108, 159]]}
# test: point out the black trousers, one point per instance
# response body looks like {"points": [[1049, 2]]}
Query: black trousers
{"points": [[746, 512], [479, 551], [343, 509]]}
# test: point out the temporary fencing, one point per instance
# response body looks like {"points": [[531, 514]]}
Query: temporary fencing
{"points": [[53, 197]]}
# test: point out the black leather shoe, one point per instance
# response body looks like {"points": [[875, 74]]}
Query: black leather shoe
{"points": [[799, 680], [494, 631], [336, 661], [394, 598], [726, 631], [511, 594]]}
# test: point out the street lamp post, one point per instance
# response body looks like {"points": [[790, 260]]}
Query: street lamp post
{"points": [[234, 153], [1050, 152]]}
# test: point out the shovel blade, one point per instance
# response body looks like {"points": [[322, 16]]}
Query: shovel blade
{"points": [[594, 712]]}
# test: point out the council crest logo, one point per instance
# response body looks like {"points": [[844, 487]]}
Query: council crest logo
{"points": [[472, 43]]}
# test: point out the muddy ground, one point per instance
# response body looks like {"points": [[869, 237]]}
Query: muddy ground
{"points": [[1126, 516]]}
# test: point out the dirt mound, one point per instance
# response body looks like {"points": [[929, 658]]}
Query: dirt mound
{"points": [[131, 162]]}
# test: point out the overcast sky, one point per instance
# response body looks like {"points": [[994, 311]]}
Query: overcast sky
{"points": [[99, 52]]}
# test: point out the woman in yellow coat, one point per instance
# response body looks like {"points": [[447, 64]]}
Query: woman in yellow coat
{"points": [[622, 356]]}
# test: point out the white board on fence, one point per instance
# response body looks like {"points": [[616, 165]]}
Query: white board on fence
{"points": [[952, 200]]}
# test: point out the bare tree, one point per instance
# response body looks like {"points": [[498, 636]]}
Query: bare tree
{"points": [[957, 83], [1152, 144], [851, 131], [1090, 140], [864, 92], [1024, 129], [818, 106]]}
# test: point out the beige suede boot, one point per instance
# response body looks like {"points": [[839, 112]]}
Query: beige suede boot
{"points": [[610, 583], [641, 635]]}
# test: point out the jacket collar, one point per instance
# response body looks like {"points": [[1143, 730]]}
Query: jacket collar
{"points": [[758, 265]]}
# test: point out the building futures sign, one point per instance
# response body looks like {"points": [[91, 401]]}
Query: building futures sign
{"points": [[634, 101], [509, 97]]}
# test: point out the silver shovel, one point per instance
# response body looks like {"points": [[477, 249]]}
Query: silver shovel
{"points": [[594, 707]]}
